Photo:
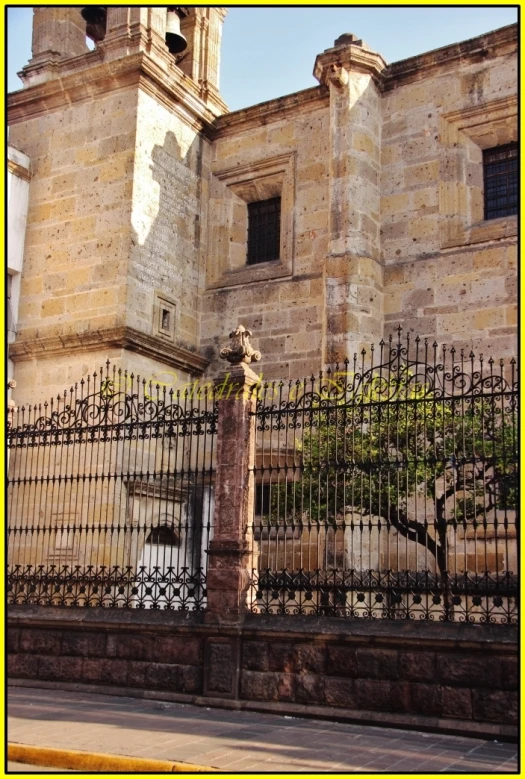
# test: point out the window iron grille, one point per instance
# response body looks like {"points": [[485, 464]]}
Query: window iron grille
{"points": [[264, 230], [500, 178]]}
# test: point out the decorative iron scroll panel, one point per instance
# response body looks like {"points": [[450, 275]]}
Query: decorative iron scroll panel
{"points": [[387, 488], [110, 496]]}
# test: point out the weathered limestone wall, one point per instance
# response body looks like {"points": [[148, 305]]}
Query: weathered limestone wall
{"points": [[139, 203], [386, 211], [449, 274], [113, 264], [78, 231], [168, 229], [282, 302], [18, 179]]}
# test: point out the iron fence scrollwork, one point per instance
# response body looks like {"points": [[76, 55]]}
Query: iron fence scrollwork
{"points": [[387, 488], [110, 496]]}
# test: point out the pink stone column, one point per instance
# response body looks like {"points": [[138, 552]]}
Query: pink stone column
{"points": [[229, 567]]}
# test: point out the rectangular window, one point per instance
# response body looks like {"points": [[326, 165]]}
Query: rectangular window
{"points": [[500, 180], [264, 230]]}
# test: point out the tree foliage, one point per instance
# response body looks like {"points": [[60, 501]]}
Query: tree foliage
{"points": [[422, 463]]}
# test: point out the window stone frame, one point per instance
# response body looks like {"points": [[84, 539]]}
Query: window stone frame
{"points": [[247, 183], [162, 301], [464, 135]]}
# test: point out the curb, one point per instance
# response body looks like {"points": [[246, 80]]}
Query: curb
{"points": [[98, 761]]}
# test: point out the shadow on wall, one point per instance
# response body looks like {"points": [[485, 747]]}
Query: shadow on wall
{"points": [[166, 268]]}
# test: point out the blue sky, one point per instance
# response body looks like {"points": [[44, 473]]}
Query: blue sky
{"points": [[268, 52]]}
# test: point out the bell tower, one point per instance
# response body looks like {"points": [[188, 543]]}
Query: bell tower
{"points": [[118, 137]]}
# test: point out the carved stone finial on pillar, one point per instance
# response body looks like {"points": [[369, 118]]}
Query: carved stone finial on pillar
{"points": [[350, 38], [349, 55], [241, 350]]}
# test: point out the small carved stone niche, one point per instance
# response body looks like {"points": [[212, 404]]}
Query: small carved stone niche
{"points": [[164, 317]]}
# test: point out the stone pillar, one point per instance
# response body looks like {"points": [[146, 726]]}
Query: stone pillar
{"points": [[59, 29], [229, 566], [230, 548], [202, 28], [59, 32], [353, 276], [130, 29]]}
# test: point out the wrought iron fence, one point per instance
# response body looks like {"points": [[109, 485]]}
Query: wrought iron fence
{"points": [[110, 496], [387, 488]]}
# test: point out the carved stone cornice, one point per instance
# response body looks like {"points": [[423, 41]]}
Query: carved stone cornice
{"points": [[39, 68], [354, 56], [115, 337], [271, 111], [264, 167], [485, 113], [493, 44], [175, 90]]}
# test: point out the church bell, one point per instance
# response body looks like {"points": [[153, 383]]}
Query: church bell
{"points": [[95, 18], [175, 40]]}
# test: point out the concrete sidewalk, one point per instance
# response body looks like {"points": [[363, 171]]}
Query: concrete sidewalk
{"points": [[238, 740]]}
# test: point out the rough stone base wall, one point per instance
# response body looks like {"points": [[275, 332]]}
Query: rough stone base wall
{"points": [[452, 678]]}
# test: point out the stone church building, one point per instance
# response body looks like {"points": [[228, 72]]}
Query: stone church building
{"points": [[157, 221]]}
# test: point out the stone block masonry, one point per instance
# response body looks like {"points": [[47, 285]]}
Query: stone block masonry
{"points": [[387, 226], [141, 181], [450, 677], [139, 194], [444, 677]]}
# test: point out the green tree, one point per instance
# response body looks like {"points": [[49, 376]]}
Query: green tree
{"points": [[398, 444]]}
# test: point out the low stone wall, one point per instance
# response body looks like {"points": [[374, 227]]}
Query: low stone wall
{"points": [[448, 677]]}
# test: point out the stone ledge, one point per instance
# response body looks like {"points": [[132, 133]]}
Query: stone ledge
{"points": [[396, 74], [492, 44], [499, 638], [271, 111], [57, 617], [484, 232], [114, 337], [18, 170], [176, 90], [267, 271], [378, 631]]}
